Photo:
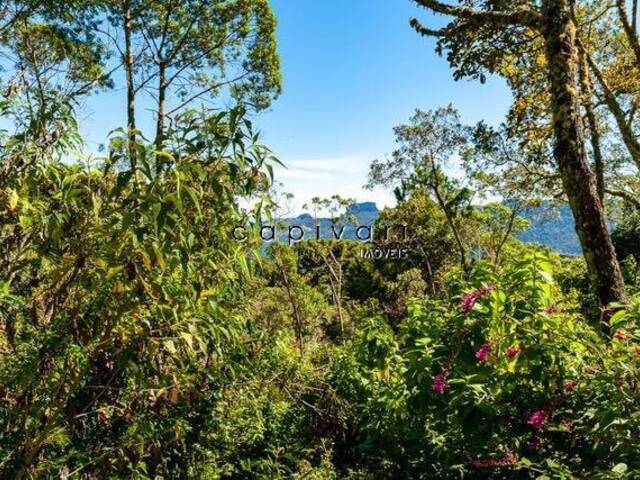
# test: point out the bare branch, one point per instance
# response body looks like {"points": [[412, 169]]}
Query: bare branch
{"points": [[522, 15], [427, 32], [624, 127], [207, 90], [629, 31], [628, 197]]}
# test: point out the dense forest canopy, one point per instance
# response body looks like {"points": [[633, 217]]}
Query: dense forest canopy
{"points": [[140, 339]]}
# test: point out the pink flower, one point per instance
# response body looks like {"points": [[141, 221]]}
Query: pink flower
{"points": [[538, 419], [468, 301], [512, 351], [439, 384], [550, 310], [534, 444], [569, 385], [483, 351], [568, 424]]}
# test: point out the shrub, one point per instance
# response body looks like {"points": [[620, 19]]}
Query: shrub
{"points": [[498, 380]]}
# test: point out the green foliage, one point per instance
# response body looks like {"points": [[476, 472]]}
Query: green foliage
{"points": [[430, 238], [626, 237], [285, 297], [481, 388], [138, 339], [196, 49], [119, 289], [626, 240]]}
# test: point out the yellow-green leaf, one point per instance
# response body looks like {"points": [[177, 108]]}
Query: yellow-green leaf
{"points": [[170, 346], [187, 337], [13, 198]]}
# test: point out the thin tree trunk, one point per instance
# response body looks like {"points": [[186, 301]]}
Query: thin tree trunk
{"points": [[569, 151], [335, 282], [628, 137], [598, 162], [131, 94], [629, 29], [298, 321], [462, 251], [435, 186], [507, 234], [162, 92]]}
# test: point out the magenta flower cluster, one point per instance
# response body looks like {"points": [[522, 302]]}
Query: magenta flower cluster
{"points": [[550, 310], [439, 384], [468, 301], [483, 352], [538, 419], [512, 351]]}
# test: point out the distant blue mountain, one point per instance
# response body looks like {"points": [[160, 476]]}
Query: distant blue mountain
{"points": [[360, 214], [553, 227]]}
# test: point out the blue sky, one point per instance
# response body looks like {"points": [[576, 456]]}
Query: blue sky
{"points": [[352, 70]]}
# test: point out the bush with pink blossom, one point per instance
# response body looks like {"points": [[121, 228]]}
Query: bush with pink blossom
{"points": [[499, 378]]}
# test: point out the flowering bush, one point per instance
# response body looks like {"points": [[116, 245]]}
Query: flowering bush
{"points": [[499, 378]]}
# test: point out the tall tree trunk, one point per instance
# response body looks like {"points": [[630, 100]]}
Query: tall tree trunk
{"points": [[570, 154], [131, 94], [162, 93]]}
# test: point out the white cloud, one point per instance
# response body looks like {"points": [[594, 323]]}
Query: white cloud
{"points": [[306, 178]]}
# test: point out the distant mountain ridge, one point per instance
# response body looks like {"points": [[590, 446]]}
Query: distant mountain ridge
{"points": [[365, 213], [553, 227]]}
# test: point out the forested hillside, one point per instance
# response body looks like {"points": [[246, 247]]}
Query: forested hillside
{"points": [[148, 330], [549, 225]]}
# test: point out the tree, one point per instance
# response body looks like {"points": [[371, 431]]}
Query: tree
{"points": [[195, 49], [425, 146], [308, 308], [521, 172], [116, 301], [476, 39], [338, 210], [430, 241], [174, 52], [497, 225], [50, 59]]}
